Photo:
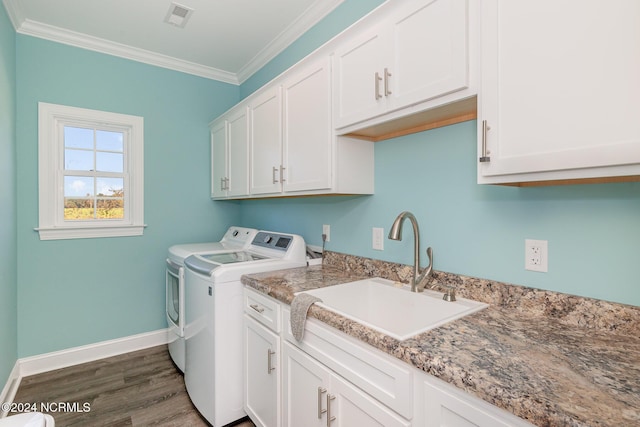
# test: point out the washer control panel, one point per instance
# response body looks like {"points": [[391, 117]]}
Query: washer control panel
{"points": [[272, 240]]}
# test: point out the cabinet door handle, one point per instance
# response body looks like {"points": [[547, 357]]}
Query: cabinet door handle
{"points": [[221, 184], [330, 418], [377, 85], [226, 183], [387, 74], [321, 391], [256, 307], [273, 174], [282, 168], [269, 355], [484, 158]]}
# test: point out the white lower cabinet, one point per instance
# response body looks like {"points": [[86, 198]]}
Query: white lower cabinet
{"points": [[316, 396], [330, 379], [440, 404], [261, 374]]}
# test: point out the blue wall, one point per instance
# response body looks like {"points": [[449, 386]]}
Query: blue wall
{"points": [[592, 230], [475, 230], [8, 242], [76, 292]]}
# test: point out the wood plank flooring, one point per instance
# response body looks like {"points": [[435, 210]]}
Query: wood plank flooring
{"points": [[142, 388]]}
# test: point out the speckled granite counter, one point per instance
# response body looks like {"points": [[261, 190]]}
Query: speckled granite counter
{"points": [[553, 359]]}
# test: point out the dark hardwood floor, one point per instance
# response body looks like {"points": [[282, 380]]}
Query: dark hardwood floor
{"points": [[142, 388]]}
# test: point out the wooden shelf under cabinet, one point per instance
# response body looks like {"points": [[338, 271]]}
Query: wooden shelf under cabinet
{"points": [[456, 112]]}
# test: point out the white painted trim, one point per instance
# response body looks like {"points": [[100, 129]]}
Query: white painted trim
{"points": [[10, 388], [51, 119], [96, 44], [88, 353], [311, 16]]}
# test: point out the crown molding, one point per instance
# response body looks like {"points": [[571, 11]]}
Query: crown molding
{"points": [[84, 41], [312, 16]]}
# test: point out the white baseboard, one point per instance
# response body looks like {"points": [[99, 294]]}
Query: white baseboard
{"points": [[75, 356], [88, 353], [10, 388]]}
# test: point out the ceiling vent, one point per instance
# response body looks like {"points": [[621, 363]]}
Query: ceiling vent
{"points": [[178, 15]]}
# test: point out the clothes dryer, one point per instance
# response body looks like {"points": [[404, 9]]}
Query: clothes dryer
{"points": [[234, 239]]}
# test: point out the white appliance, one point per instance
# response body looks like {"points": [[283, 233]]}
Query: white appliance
{"points": [[234, 239], [213, 330]]}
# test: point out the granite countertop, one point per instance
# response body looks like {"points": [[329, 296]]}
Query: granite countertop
{"points": [[552, 359]]}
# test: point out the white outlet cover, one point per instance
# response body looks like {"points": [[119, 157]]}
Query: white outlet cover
{"points": [[536, 255], [326, 230], [377, 237]]}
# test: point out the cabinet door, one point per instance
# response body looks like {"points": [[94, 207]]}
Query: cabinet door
{"points": [[307, 129], [560, 91], [429, 51], [305, 387], [352, 407], [219, 159], [238, 153], [357, 69], [266, 142], [444, 406], [261, 374]]}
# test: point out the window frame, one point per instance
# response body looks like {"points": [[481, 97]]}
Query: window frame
{"points": [[51, 121]]}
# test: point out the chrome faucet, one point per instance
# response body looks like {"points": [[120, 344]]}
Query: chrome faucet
{"points": [[419, 279]]}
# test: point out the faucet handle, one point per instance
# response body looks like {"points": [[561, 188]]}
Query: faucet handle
{"points": [[450, 294], [429, 267], [421, 281]]}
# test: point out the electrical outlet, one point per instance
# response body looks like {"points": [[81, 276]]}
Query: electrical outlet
{"points": [[377, 238], [536, 255], [326, 230]]}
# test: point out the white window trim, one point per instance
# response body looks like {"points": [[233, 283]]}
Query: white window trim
{"points": [[51, 185]]}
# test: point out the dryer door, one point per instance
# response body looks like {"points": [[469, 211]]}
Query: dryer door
{"points": [[175, 297]]}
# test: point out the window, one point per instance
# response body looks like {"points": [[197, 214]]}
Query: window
{"points": [[91, 173]]}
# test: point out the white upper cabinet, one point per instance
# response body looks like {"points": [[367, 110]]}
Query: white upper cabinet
{"points": [[289, 144], [307, 128], [560, 91], [266, 142], [417, 52], [229, 154], [219, 158]]}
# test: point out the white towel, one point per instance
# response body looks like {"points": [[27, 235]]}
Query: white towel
{"points": [[299, 307]]}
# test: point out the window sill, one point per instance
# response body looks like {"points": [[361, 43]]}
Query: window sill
{"points": [[59, 233]]}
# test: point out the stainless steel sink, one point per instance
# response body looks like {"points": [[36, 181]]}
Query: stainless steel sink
{"points": [[390, 307]]}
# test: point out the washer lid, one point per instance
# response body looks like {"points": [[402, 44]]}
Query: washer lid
{"points": [[206, 263], [231, 257]]}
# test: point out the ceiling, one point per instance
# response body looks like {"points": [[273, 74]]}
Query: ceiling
{"points": [[226, 40]]}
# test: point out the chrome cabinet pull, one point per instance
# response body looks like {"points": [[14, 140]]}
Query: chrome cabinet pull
{"points": [[256, 307], [330, 418], [273, 172], [377, 85], [321, 391], [387, 74], [485, 153], [224, 183], [269, 355], [282, 168]]}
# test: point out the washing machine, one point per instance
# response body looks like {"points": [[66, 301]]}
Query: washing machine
{"points": [[236, 238], [214, 310]]}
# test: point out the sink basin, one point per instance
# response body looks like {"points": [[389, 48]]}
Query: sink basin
{"points": [[391, 308]]}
